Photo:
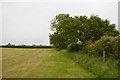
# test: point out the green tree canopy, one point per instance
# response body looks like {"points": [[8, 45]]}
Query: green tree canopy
{"points": [[79, 29]]}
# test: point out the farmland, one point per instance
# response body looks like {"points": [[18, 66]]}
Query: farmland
{"points": [[40, 63], [77, 43]]}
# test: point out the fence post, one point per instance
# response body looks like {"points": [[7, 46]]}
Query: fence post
{"points": [[103, 55]]}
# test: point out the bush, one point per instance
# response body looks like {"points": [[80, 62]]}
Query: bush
{"points": [[85, 48], [73, 47], [116, 47], [106, 46]]}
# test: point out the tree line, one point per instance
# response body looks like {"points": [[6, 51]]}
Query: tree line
{"points": [[9, 45]]}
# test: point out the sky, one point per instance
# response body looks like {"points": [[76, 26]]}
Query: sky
{"points": [[119, 16], [28, 21]]}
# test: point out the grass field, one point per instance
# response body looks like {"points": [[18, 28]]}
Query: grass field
{"points": [[40, 63]]}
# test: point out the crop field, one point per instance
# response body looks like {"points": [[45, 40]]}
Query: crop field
{"points": [[40, 63]]}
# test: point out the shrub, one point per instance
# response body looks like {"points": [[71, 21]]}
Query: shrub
{"points": [[73, 47], [86, 47], [116, 47], [106, 46]]}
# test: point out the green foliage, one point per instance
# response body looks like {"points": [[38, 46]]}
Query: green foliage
{"points": [[56, 21], [107, 46], [80, 28], [116, 47], [73, 47], [58, 41], [85, 48], [95, 64]]}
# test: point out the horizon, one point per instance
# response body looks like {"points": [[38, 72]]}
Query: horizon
{"points": [[24, 44]]}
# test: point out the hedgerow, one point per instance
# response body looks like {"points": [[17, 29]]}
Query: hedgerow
{"points": [[106, 46]]}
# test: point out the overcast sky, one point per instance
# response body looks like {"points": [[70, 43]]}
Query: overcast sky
{"points": [[28, 22]]}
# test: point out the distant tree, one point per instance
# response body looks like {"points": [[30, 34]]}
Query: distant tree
{"points": [[33, 45], [40, 45], [9, 44]]}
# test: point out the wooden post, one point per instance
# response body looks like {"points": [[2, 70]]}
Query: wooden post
{"points": [[103, 55]]}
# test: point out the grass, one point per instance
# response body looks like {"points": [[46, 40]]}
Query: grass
{"points": [[101, 68], [40, 63]]}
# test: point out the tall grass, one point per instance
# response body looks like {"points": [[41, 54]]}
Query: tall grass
{"points": [[102, 68]]}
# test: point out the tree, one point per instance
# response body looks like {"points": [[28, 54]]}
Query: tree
{"points": [[58, 41], [79, 28], [9, 44], [56, 21]]}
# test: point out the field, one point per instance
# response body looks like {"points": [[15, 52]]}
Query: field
{"points": [[40, 63]]}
